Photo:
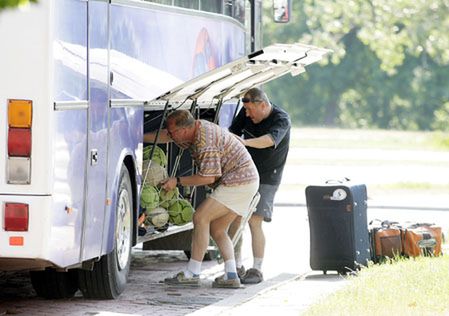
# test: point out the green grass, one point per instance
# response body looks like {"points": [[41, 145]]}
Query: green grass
{"points": [[379, 139], [440, 140], [404, 287], [414, 186]]}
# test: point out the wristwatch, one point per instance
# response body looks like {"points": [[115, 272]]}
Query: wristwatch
{"points": [[178, 180]]}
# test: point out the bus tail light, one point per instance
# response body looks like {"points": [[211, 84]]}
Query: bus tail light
{"points": [[19, 113], [16, 217], [19, 141], [19, 170]]}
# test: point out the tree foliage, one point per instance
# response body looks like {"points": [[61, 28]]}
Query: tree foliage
{"points": [[14, 3], [389, 68]]}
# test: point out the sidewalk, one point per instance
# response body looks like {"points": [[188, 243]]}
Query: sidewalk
{"points": [[287, 294]]}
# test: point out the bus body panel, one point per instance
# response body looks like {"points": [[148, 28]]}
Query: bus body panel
{"points": [[28, 79], [159, 54], [97, 154], [62, 55], [71, 123], [45, 241]]}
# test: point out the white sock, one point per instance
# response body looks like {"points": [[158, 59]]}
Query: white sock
{"points": [[230, 269], [257, 264], [193, 268], [238, 262]]}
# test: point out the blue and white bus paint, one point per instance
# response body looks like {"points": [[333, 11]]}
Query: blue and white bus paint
{"points": [[88, 67]]}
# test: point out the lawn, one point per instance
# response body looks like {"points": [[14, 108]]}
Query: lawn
{"points": [[404, 287]]}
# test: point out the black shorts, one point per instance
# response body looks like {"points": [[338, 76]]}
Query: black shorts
{"points": [[265, 205]]}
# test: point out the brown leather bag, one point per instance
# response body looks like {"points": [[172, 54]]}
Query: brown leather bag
{"points": [[421, 239], [386, 239]]}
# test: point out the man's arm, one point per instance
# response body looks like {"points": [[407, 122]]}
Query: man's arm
{"points": [[263, 141], [193, 180], [162, 139]]}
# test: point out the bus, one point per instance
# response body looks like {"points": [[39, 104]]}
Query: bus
{"points": [[81, 80]]}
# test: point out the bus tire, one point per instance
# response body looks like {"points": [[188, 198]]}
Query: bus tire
{"points": [[109, 276], [51, 284]]}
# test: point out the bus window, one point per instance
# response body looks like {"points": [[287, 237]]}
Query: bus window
{"points": [[189, 4], [281, 10], [215, 6]]}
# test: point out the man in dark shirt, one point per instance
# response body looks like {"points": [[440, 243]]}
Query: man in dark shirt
{"points": [[264, 129]]}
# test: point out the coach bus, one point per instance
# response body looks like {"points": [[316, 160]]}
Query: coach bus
{"points": [[79, 81]]}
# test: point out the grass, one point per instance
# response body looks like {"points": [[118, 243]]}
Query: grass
{"points": [[405, 287], [379, 139]]}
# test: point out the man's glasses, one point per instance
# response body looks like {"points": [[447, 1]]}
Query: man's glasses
{"points": [[172, 132], [247, 100]]}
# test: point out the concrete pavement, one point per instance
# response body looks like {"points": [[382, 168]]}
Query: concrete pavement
{"points": [[287, 294]]}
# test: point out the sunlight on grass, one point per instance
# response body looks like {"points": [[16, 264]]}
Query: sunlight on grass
{"points": [[441, 140], [380, 139], [409, 287], [413, 186]]}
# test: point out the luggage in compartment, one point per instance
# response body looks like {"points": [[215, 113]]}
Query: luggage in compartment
{"points": [[385, 240], [338, 224], [421, 239]]}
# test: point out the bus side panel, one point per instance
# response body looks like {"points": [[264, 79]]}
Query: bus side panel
{"points": [[70, 130], [98, 129], [125, 140], [24, 64], [152, 51]]}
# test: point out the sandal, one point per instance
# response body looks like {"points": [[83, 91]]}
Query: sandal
{"points": [[220, 282], [241, 272], [181, 279], [252, 276]]}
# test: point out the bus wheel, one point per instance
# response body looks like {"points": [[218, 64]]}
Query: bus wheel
{"points": [[109, 276], [51, 284]]}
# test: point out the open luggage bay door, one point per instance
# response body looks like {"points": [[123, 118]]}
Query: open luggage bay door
{"points": [[211, 89], [235, 78]]}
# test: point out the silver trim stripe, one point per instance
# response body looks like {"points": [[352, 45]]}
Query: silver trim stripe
{"points": [[122, 103], [70, 105]]}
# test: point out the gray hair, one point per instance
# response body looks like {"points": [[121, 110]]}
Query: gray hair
{"points": [[182, 118], [257, 95]]}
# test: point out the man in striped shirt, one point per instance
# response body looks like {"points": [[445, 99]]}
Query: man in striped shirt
{"points": [[225, 164]]}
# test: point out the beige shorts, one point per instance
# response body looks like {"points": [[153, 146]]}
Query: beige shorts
{"points": [[236, 198]]}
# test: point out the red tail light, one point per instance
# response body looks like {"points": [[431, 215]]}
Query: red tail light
{"points": [[20, 117], [16, 217], [19, 142]]}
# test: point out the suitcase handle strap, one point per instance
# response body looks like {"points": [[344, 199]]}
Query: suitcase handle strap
{"points": [[332, 181], [385, 223], [416, 225]]}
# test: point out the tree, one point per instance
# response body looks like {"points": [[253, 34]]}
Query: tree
{"points": [[14, 3], [389, 67]]}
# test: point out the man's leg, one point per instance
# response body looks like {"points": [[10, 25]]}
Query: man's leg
{"points": [[208, 211], [238, 247], [205, 213], [257, 240], [219, 232]]}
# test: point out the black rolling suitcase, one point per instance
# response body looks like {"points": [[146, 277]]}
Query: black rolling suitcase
{"points": [[339, 237]]}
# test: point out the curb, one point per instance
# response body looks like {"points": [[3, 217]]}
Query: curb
{"points": [[246, 294]]}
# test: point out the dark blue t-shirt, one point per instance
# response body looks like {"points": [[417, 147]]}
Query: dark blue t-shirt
{"points": [[269, 161]]}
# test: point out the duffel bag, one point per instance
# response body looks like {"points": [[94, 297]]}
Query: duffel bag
{"points": [[421, 239]]}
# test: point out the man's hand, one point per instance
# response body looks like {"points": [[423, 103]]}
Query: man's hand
{"points": [[169, 184]]}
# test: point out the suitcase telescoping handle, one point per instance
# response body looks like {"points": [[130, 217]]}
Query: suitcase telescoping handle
{"points": [[337, 181]]}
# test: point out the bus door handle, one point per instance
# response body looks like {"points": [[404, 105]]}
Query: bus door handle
{"points": [[93, 157]]}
